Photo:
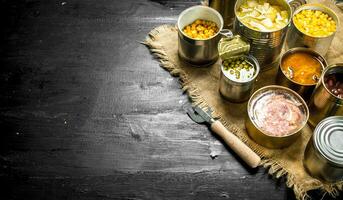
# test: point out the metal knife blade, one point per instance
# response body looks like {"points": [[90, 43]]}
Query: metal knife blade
{"points": [[205, 115]]}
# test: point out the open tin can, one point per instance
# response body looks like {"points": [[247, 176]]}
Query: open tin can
{"points": [[296, 38], [324, 102], [199, 52], [238, 91], [323, 157], [264, 46], [276, 116], [285, 75]]}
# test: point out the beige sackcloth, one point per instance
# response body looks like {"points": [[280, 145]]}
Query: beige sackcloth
{"points": [[202, 84]]}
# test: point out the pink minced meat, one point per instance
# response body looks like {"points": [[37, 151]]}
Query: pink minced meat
{"points": [[278, 115]]}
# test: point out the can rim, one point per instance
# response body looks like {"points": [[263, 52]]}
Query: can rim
{"points": [[254, 62], [197, 7], [320, 140]]}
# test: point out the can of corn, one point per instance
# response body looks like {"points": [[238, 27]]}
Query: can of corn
{"points": [[199, 52], [313, 26]]}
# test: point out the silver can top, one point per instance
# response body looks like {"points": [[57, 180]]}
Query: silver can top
{"points": [[328, 139]]}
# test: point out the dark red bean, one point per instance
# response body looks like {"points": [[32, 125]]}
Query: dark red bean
{"points": [[330, 82], [337, 83], [341, 86]]}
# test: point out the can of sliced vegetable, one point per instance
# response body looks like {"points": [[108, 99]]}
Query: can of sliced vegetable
{"points": [[265, 45], [323, 157]]}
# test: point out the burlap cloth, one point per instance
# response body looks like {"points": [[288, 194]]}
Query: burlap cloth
{"points": [[201, 84]]}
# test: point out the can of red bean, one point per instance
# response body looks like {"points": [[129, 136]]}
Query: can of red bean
{"points": [[323, 157], [327, 98]]}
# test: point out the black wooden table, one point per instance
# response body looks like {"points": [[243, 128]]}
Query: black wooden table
{"points": [[87, 113]]}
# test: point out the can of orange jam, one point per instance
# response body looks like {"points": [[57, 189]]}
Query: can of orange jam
{"points": [[323, 156], [300, 70]]}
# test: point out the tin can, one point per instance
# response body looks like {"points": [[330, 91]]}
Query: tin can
{"points": [[304, 90], [323, 156], [258, 134], [235, 91], [265, 46], [225, 8], [296, 38], [198, 52], [323, 102]]}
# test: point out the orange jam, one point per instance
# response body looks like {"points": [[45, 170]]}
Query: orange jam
{"points": [[302, 68]]}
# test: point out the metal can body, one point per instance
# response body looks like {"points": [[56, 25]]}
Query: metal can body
{"points": [[198, 52], [323, 156], [323, 103], [264, 46], [305, 91], [258, 135], [296, 38], [238, 91], [225, 8]]}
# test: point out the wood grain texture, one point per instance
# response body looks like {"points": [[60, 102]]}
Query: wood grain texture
{"points": [[87, 113]]}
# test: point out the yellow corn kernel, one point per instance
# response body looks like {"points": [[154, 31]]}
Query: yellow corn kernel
{"points": [[314, 23], [201, 29]]}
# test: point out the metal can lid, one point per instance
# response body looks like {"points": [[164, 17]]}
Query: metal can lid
{"points": [[229, 47], [328, 139]]}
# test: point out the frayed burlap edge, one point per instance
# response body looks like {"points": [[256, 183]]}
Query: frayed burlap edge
{"points": [[274, 168]]}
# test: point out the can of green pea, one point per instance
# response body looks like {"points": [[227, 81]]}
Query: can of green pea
{"points": [[238, 75]]}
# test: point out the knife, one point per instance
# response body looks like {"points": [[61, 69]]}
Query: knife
{"points": [[198, 115]]}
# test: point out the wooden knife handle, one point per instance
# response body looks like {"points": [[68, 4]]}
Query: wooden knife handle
{"points": [[248, 155]]}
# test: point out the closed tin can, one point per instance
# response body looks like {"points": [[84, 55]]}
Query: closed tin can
{"points": [[296, 38], [198, 52], [323, 156], [259, 134], [304, 90], [323, 102], [264, 46], [236, 91], [225, 8]]}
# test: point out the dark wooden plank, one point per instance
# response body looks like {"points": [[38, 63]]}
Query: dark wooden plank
{"points": [[87, 113]]}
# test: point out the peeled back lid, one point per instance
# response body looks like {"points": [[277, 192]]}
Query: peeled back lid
{"points": [[328, 139], [229, 47]]}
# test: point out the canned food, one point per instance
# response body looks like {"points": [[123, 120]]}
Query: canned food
{"points": [[309, 36], [300, 69], [266, 43], [276, 116], [225, 8], [237, 77], [323, 157], [198, 51], [326, 99]]}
